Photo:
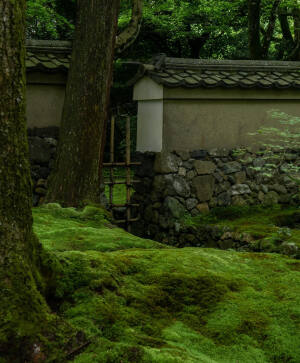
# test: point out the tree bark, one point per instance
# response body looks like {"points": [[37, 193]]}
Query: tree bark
{"points": [[270, 29], [129, 35], [255, 49], [76, 179], [295, 54], [22, 308]]}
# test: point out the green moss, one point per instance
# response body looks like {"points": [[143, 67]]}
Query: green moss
{"points": [[271, 228], [68, 229], [163, 305], [212, 306]]}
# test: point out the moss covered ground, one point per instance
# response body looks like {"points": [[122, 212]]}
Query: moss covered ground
{"points": [[136, 300], [271, 228]]}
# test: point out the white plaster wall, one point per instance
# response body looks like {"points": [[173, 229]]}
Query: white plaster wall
{"points": [[150, 126], [44, 104], [147, 89], [208, 124]]}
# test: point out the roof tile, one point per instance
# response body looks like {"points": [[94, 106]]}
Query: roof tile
{"points": [[212, 73], [48, 56]]}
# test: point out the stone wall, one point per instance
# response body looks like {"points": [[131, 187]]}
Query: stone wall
{"points": [[42, 152], [42, 149], [178, 183]]}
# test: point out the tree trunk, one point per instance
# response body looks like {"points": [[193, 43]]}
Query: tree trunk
{"points": [[196, 44], [270, 29], [76, 178], [22, 308], [295, 54], [284, 24], [254, 29], [287, 45]]}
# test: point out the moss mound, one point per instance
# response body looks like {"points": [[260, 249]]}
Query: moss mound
{"points": [[273, 229], [67, 229], [156, 304]]}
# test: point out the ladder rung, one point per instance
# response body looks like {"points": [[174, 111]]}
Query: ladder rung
{"points": [[125, 221], [121, 164], [122, 182], [124, 205]]}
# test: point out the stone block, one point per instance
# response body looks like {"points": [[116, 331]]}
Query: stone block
{"points": [[238, 201], [203, 208], [270, 199], [176, 185], [239, 189], [224, 199], [199, 154], [191, 203], [174, 207], [204, 187], [281, 189], [184, 155], [232, 167], [204, 167], [181, 171], [240, 177], [166, 163], [190, 174], [219, 152], [259, 162]]}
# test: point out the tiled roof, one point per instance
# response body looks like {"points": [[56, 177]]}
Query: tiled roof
{"points": [[49, 56], [195, 73]]}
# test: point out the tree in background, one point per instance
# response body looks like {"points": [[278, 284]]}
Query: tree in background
{"points": [[224, 29], [77, 177], [50, 19], [276, 23], [289, 19]]}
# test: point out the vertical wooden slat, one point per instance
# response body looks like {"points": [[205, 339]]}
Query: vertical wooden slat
{"points": [[112, 158], [128, 176]]}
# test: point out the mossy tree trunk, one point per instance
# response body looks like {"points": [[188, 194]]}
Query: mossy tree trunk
{"points": [[76, 179], [22, 308]]}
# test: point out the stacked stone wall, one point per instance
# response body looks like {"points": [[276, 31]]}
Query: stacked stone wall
{"points": [[42, 153], [42, 150], [178, 183]]}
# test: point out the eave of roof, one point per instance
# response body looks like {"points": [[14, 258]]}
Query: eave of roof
{"points": [[48, 55], [203, 73]]}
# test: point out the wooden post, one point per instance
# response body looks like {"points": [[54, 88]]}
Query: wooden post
{"points": [[112, 159], [128, 176]]}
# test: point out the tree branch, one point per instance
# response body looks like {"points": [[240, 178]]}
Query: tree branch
{"points": [[129, 35]]}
